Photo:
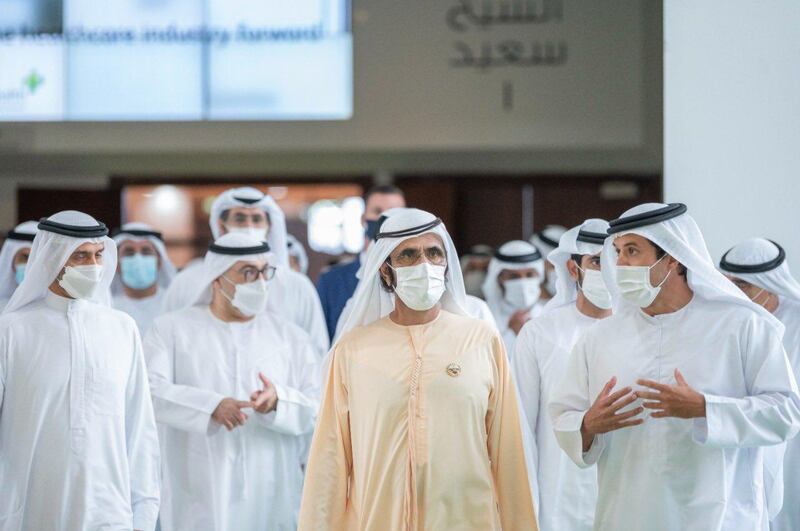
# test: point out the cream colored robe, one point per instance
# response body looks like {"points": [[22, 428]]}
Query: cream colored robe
{"points": [[419, 429]]}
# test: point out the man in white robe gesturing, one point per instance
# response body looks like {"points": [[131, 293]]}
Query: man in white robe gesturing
{"points": [[78, 441], [686, 346], [234, 389]]}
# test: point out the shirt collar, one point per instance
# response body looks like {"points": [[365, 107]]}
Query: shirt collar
{"points": [[59, 303], [668, 319]]}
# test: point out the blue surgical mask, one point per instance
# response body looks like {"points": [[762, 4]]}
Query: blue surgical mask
{"points": [[19, 273], [139, 271]]}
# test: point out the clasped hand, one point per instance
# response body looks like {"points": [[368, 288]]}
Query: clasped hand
{"points": [[229, 411]]}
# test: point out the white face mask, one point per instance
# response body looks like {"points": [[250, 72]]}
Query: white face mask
{"points": [[421, 286], [259, 234], [81, 282], [634, 284], [594, 288], [249, 298], [522, 293]]}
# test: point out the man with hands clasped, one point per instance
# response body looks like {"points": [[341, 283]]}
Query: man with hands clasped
{"points": [[235, 390]]}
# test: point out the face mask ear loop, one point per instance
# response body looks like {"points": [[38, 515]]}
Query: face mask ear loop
{"points": [[665, 278], [583, 271], [229, 281], [581, 277], [758, 295]]}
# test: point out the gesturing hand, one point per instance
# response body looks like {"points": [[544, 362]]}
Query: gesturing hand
{"points": [[229, 414], [266, 399], [602, 417], [679, 400]]}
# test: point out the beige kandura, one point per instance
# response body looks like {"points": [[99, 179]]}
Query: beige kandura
{"points": [[419, 428]]}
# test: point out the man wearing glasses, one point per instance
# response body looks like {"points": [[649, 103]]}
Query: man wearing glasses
{"points": [[234, 389], [249, 212]]}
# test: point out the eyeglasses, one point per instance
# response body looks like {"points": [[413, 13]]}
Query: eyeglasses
{"points": [[251, 273], [413, 255]]}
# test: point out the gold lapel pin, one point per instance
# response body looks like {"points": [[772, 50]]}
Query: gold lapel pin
{"points": [[454, 369]]}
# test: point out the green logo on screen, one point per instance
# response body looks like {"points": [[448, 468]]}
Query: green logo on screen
{"points": [[33, 81]]}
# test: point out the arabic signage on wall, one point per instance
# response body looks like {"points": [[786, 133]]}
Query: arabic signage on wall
{"points": [[554, 73], [498, 51]]}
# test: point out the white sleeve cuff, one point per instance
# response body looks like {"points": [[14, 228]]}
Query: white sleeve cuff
{"points": [[209, 405], [707, 430], [595, 450], [145, 516], [277, 415], [568, 434]]}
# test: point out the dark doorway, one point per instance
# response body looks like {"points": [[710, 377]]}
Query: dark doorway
{"points": [[494, 209]]}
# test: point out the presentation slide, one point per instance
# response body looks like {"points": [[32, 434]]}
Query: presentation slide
{"points": [[175, 60]]}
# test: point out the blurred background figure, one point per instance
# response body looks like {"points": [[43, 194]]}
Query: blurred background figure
{"points": [[337, 285], [547, 241], [14, 257], [513, 287], [144, 272], [474, 265], [759, 268], [298, 258]]}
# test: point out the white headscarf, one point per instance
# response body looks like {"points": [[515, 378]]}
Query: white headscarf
{"points": [[547, 240], [16, 240], [491, 288], [250, 197], [216, 263], [479, 251], [680, 237], [297, 250], [566, 289], [50, 253], [136, 232], [371, 301], [757, 251]]}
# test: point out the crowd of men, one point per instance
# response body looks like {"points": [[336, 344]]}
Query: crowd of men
{"points": [[610, 376]]}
